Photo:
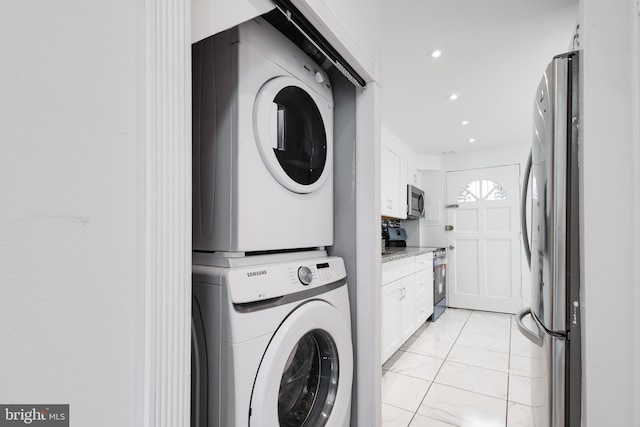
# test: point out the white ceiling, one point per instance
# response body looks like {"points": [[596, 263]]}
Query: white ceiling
{"points": [[493, 55]]}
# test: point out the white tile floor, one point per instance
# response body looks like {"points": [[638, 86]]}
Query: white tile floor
{"points": [[469, 368]]}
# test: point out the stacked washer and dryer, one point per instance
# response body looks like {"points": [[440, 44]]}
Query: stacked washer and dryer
{"points": [[271, 335]]}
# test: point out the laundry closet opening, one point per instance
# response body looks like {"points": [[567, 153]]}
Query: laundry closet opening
{"points": [[281, 187]]}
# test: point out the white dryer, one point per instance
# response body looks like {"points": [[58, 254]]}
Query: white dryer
{"points": [[262, 143], [272, 343]]}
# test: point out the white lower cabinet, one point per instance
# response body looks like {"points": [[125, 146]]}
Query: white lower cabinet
{"points": [[407, 300], [391, 318], [398, 314], [409, 324]]}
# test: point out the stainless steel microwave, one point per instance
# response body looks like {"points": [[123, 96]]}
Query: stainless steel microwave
{"points": [[415, 202]]}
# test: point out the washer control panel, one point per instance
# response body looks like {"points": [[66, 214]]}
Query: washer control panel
{"points": [[319, 273], [260, 282]]}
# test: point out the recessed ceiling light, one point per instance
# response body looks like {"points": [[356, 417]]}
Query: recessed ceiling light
{"points": [[436, 53], [472, 140], [453, 96], [464, 122]]}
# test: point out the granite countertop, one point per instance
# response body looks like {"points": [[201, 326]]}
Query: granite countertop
{"points": [[392, 254]]}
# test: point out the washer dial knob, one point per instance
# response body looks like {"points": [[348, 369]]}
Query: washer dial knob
{"points": [[305, 275]]}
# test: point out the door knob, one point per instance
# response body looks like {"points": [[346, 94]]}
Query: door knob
{"points": [[451, 247]]}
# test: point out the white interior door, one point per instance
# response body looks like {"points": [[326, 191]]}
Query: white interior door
{"points": [[484, 245]]}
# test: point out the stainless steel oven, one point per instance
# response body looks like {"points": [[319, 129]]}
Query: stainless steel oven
{"points": [[439, 283], [415, 202]]}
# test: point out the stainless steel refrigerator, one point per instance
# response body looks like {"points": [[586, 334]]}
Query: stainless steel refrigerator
{"points": [[553, 322]]}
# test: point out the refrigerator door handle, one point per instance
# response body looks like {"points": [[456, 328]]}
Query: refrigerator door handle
{"points": [[523, 210], [528, 333]]}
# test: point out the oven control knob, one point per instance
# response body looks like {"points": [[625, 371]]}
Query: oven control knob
{"points": [[305, 275]]}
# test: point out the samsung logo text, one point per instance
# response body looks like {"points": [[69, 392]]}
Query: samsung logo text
{"points": [[256, 273]]}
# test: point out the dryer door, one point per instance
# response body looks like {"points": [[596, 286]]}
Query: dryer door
{"points": [[305, 376], [293, 129]]}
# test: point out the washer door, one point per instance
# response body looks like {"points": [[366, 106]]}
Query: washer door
{"points": [[305, 376], [289, 123]]}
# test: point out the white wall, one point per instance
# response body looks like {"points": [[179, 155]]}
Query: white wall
{"points": [[610, 213], [391, 141], [207, 19], [429, 162], [398, 146], [71, 222], [489, 157], [351, 27]]}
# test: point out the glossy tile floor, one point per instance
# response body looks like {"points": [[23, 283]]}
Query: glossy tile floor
{"points": [[469, 368]]}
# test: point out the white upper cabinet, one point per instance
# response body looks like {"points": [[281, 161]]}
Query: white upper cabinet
{"points": [[209, 17], [394, 177], [390, 173], [409, 173], [414, 177], [393, 184]]}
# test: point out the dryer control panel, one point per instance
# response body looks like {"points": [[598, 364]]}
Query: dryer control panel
{"points": [[262, 282]]}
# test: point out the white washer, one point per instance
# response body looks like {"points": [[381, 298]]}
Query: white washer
{"points": [[271, 343], [262, 143]]}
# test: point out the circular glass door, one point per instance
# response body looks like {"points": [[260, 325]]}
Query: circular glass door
{"points": [[294, 141], [304, 379], [310, 381]]}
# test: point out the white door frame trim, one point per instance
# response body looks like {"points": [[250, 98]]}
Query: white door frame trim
{"points": [[635, 197], [167, 116]]}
